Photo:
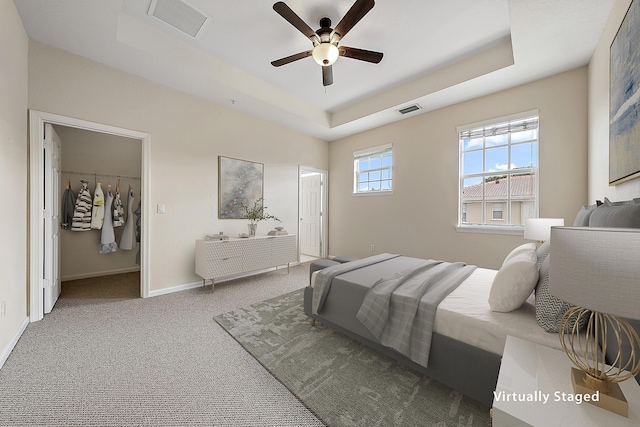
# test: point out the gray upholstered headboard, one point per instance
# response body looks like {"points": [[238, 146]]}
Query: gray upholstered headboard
{"points": [[610, 214]]}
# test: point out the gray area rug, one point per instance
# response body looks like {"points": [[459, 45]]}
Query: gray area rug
{"points": [[343, 382]]}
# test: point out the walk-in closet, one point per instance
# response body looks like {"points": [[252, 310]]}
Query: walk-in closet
{"points": [[100, 182]]}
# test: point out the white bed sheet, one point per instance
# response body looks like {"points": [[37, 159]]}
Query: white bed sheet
{"points": [[465, 316]]}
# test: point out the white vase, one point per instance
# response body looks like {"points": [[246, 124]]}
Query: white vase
{"points": [[252, 229]]}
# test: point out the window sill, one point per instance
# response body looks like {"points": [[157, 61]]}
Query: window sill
{"points": [[374, 193], [488, 229]]}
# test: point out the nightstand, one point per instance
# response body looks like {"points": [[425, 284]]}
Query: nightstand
{"points": [[534, 389]]}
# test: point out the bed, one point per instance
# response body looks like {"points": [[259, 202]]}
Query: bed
{"points": [[466, 358], [468, 333]]}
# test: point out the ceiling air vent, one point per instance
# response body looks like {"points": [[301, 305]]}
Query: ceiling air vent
{"points": [[179, 15], [409, 109]]}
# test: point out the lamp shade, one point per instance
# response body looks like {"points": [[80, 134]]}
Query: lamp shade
{"points": [[325, 54], [597, 269], [540, 228]]}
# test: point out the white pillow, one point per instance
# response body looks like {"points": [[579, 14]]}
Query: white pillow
{"points": [[527, 247], [514, 282]]}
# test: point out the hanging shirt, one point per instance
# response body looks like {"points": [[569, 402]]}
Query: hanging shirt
{"points": [[97, 217], [138, 213], [107, 237], [82, 212], [68, 208], [118, 211], [128, 238]]}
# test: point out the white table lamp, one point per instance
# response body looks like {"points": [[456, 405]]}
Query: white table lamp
{"points": [[539, 229], [598, 271]]}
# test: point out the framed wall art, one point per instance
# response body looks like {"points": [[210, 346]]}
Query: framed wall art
{"points": [[624, 99], [239, 182]]}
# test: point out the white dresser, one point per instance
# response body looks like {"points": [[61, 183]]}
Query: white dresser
{"points": [[222, 258]]}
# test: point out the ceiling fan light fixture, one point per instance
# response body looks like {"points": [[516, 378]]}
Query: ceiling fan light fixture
{"points": [[326, 54]]}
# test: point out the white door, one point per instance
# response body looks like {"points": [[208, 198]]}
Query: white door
{"points": [[310, 214], [51, 218]]}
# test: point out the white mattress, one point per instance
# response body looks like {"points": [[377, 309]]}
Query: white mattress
{"points": [[465, 316]]}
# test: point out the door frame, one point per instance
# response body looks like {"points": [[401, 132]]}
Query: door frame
{"points": [[324, 203], [37, 119]]}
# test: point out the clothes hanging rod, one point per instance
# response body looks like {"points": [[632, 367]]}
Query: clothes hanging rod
{"points": [[101, 175]]}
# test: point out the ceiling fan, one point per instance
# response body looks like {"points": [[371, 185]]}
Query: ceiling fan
{"points": [[326, 39]]}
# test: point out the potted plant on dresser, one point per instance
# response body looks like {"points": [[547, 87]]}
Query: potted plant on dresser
{"points": [[255, 214]]}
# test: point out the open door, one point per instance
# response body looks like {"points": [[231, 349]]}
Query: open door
{"points": [[51, 218], [311, 213], [39, 174]]}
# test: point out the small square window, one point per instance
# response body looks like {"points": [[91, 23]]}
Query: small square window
{"points": [[373, 170]]}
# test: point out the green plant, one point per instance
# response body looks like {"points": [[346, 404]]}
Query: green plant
{"points": [[257, 212]]}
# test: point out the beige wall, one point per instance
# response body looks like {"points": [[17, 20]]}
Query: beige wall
{"points": [[13, 174], [599, 116], [108, 159], [187, 136], [418, 219]]}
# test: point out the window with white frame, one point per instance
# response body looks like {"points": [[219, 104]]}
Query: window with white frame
{"points": [[498, 211], [499, 172], [373, 169]]}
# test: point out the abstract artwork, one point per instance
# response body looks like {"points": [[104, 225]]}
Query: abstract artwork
{"points": [[624, 99], [239, 182]]}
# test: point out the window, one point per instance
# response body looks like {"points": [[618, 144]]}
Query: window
{"points": [[497, 211], [373, 170], [499, 172]]}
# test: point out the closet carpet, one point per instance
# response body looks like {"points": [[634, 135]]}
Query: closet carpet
{"points": [[105, 357]]}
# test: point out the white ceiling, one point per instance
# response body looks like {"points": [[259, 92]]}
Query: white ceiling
{"points": [[436, 53]]}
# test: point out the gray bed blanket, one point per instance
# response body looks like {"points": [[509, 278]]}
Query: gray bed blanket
{"points": [[400, 309], [324, 277]]}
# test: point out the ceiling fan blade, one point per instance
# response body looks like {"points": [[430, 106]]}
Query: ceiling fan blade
{"points": [[288, 59], [288, 14], [327, 75], [361, 54], [351, 18]]}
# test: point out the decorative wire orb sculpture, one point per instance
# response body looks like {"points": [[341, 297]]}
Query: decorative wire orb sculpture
{"points": [[587, 351]]}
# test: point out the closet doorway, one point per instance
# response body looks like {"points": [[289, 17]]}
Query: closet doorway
{"points": [[312, 208], [48, 180]]}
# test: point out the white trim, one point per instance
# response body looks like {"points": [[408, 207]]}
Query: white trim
{"points": [[204, 283], [488, 229], [374, 193], [178, 288], [8, 348], [372, 150], [494, 120], [37, 119]]}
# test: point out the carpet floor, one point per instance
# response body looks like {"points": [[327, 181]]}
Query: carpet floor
{"points": [[104, 357], [343, 382]]}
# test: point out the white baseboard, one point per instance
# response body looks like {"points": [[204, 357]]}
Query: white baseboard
{"points": [[207, 282], [99, 274], [177, 288], [6, 351]]}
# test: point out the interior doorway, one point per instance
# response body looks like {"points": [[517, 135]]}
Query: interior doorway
{"points": [[312, 209], [41, 253]]}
